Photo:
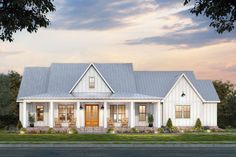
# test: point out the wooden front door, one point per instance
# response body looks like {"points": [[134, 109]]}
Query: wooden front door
{"points": [[91, 116]]}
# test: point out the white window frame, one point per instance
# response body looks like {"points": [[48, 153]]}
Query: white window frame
{"points": [[182, 112], [91, 83]]}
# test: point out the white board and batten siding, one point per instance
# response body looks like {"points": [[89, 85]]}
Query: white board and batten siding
{"points": [[83, 85], [31, 108], [206, 112]]}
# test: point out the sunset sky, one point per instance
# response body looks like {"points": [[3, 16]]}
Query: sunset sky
{"points": [[151, 34]]}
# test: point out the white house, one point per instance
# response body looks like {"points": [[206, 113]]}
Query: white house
{"points": [[93, 95]]}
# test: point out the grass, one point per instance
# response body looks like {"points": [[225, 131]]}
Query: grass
{"points": [[229, 135], [121, 137]]}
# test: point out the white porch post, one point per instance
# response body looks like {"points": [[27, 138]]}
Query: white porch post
{"points": [[159, 114], [155, 114], [24, 114], [78, 115], [105, 115], [51, 115], [132, 115]]}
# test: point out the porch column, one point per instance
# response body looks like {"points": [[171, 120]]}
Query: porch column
{"points": [[78, 115], [155, 114], [159, 115], [132, 115], [105, 115], [51, 115], [24, 114]]}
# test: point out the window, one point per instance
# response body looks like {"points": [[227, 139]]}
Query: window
{"points": [[66, 112], [142, 113], [117, 112], [39, 112], [91, 82], [182, 111]]}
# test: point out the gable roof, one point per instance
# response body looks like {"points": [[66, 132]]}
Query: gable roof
{"points": [[91, 65], [158, 82], [58, 79], [189, 82]]}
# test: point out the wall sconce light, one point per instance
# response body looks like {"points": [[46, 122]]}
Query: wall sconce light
{"points": [[81, 107], [102, 107], [183, 94]]}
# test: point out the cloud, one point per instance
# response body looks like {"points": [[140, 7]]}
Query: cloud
{"points": [[195, 34], [98, 14], [231, 69]]}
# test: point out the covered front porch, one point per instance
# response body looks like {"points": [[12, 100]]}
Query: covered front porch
{"points": [[91, 113]]}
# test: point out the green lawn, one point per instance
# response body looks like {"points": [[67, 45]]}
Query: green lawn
{"points": [[121, 137], [228, 135]]}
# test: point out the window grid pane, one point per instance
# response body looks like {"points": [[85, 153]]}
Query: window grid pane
{"points": [[91, 82], [186, 111], [117, 113], [39, 112], [142, 113], [182, 111], [66, 112]]}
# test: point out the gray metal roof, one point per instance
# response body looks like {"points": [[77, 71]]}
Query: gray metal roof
{"points": [[57, 80]]}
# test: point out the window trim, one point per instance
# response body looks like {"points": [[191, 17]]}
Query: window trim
{"points": [[182, 111], [91, 83], [37, 118], [117, 112], [67, 106], [143, 113]]}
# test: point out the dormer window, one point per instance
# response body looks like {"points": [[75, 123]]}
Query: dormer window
{"points": [[91, 82]]}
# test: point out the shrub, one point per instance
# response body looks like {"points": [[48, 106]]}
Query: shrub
{"points": [[134, 130], [7, 120], [160, 130], [51, 131], [31, 118], [19, 125], [150, 120], [23, 131], [174, 130], [111, 131], [169, 124], [198, 125], [72, 131]]}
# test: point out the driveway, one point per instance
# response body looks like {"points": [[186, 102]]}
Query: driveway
{"points": [[118, 151]]}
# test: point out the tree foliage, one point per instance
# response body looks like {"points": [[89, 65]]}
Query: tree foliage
{"points": [[16, 15], [227, 107], [9, 86], [221, 12]]}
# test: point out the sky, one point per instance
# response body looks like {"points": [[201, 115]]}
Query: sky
{"points": [[151, 34]]}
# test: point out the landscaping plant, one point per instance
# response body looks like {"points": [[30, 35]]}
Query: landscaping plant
{"points": [[150, 120], [198, 125], [72, 131], [19, 125], [31, 120]]}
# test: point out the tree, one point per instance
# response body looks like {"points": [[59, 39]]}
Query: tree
{"points": [[14, 85], [221, 12], [227, 107], [16, 15], [9, 86]]}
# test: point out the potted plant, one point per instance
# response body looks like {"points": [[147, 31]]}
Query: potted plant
{"points": [[31, 120], [150, 120]]}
